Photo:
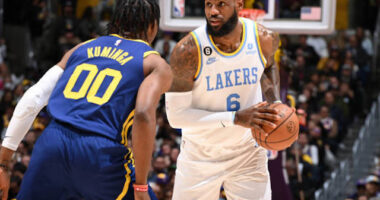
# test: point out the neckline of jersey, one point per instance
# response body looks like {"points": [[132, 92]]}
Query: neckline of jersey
{"points": [[237, 51], [136, 40]]}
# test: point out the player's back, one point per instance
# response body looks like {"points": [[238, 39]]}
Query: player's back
{"points": [[98, 89]]}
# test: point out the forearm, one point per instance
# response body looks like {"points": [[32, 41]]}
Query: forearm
{"points": [[181, 114], [5, 156], [143, 133], [270, 84]]}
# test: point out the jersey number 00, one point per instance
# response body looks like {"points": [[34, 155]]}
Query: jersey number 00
{"points": [[93, 90]]}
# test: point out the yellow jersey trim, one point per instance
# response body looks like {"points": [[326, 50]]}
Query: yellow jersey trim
{"points": [[127, 182], [199, 55], [127, 124], [238, 49], [292, 100], [150, 52], [259, 46], [136, 40]]}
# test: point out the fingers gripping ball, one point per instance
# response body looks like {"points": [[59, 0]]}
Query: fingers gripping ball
{"points": [[284, 135]]}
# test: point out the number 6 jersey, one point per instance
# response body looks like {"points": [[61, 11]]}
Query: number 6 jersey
{"points": [[226, 82], [98, 89]]}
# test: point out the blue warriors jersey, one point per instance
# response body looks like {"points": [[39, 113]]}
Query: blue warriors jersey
{"points": [[98, 88]]}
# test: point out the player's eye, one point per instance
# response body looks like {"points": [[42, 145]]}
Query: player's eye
{"points": [[208, 4], [221, 4]]}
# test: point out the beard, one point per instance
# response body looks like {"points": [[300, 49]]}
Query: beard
{"points": [[225, 29]]}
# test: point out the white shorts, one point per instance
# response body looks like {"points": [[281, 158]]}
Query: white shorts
{"points": [[241, 170]]}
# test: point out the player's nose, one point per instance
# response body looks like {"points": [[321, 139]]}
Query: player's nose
{"points": [[214, 10]]}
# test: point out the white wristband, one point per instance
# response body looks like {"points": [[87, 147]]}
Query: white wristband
{"points": [[277, 101]]}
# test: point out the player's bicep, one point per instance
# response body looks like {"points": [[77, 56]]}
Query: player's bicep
{"points": [[155, 84], [184, 61]]}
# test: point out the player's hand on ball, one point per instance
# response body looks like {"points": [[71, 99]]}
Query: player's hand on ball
{"points": [[142, 196], [257, 116]]}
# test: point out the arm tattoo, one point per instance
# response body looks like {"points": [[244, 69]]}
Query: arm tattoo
{"points": [[184, 62], [270, 80]]}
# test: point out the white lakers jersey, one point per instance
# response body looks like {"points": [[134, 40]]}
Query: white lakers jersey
{"points": [[226, 82]]}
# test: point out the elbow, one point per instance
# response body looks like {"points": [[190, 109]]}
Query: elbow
{"points": [[145, 116]]}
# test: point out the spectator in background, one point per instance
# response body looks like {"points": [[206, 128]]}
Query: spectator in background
{"points": [[38, 15], [3, 50], [360, 190], [346, 101], [329, 128], [88, 27], [68, 40], [360, 57], [308, 52], [372, 187], [364, 38], [308, 149], [165, 45], [319, 44]]}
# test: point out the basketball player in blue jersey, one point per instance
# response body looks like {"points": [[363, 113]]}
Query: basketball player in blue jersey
{"points": [[221, 71], [97, 91]]}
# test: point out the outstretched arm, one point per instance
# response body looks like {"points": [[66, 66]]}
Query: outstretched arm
{"points": [[270, 80]]}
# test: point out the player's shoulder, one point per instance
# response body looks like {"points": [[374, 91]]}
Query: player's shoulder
{"points": [[154, 61], [269, 42], [185, 49], [266, 34], [187, 43]]}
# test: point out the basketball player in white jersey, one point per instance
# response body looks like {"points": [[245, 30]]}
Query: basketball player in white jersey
{"points": [[220, 71]]}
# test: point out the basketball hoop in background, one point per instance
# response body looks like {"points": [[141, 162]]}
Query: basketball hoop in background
{"points": [[256, 15]]}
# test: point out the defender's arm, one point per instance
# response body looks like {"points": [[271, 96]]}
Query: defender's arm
{"points": [[156, 83], [270, 80]]}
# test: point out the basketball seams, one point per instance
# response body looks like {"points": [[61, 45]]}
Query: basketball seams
{"points": [[264, 141], [270, 147], [268, 143], [282, 122]]}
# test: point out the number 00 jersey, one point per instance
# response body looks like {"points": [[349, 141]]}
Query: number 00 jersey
{"points": [[98, 88], [226, 82]]}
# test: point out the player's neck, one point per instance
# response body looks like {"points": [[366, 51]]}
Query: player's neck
{"points": [[230, 42]]}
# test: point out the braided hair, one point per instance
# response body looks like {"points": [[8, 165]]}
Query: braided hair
{"points": [[132, 18]]}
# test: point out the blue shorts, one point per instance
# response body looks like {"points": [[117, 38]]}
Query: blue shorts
{"points": [[67, 164]]}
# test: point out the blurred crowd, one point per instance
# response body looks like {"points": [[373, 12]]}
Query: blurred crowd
{"points": [[325, 78], [327, 81]]}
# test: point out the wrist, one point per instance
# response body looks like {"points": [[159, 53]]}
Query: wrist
{"points": [[140, 188], [4, 167]]}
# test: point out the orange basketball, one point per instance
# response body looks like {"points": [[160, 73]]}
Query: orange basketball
{"points": [[284, 134]]}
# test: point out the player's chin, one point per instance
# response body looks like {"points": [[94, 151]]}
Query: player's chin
{"points": [[216, 28]]}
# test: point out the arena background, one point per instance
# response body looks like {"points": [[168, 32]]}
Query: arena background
{"points": [[332, 80]]}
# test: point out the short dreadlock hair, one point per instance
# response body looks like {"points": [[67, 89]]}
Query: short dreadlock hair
{"points": [[132, 18]]}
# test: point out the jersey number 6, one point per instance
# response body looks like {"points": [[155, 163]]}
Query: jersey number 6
{"points": [[92, 73], [232, 102]]}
